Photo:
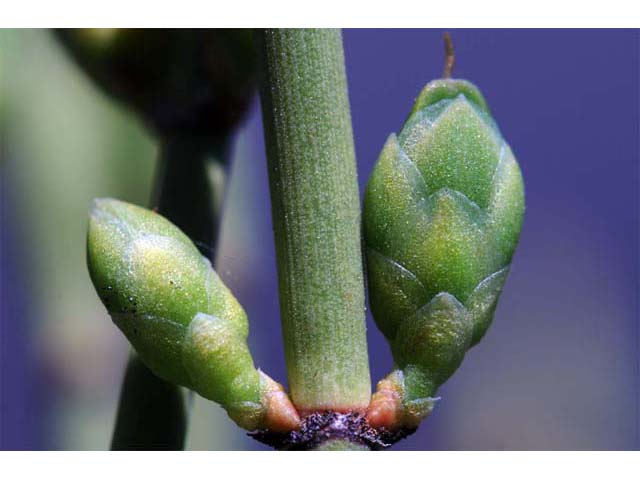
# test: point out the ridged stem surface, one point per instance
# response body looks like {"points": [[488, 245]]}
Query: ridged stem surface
{"points": [[316, 217]]}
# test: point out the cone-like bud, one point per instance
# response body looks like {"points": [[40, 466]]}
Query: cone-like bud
{"points": [[185, 324], [442, 216]]}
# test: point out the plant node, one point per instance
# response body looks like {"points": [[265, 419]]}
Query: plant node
{"points": [[319, 428]]}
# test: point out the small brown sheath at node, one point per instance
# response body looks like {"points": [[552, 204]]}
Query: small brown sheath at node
{"points": [[320, 427]]}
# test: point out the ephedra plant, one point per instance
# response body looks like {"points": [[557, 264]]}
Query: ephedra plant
{"points": [[441, 219]]}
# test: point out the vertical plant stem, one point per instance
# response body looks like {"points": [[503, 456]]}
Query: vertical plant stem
{"points": [[316, 217], [190, 186], [340, 445], [153, 414]]}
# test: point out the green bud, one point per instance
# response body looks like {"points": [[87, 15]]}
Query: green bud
{"points": [[180, 81], [442, 216], [185, 324]]}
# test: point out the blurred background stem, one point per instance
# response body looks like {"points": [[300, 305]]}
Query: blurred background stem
{"points": [[191, 87], [316, 217], [189, 185]]}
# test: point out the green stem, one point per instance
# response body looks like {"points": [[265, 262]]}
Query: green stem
{"points": [[190, 187], [152, 413], [316, 217], [339, 444]]}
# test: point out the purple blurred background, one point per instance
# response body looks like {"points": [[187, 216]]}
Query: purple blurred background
{"points": [[559, 367]]}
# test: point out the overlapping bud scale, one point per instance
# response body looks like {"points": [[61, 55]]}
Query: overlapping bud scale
{"points": [[442, 215]]}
